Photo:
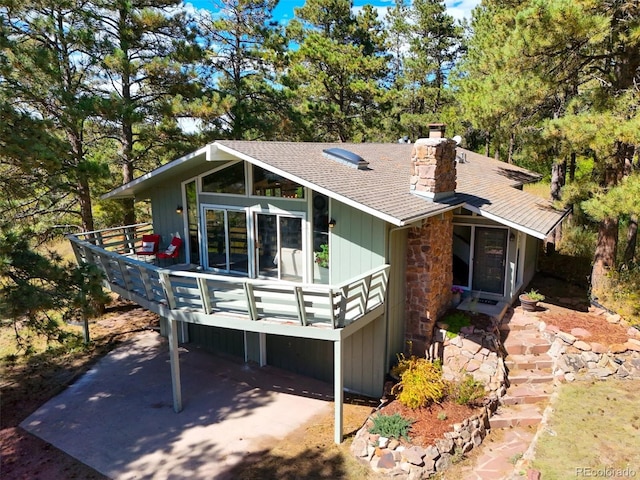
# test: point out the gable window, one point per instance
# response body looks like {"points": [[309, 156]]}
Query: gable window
{"points": [[269, 184], [226, 180]]}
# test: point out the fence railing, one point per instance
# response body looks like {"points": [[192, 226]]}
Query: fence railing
{"points": [[329, 306]]}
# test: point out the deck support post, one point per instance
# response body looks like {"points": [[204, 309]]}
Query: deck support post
{"points": [[262, 342], [174, 360], [338, 386]]}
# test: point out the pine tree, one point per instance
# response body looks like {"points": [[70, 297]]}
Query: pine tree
{"points": [[146, 75], [244, 47], [46, 64], [337, 70]]}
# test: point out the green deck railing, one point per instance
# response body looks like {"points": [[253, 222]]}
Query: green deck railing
{"points": [[326, 306]]}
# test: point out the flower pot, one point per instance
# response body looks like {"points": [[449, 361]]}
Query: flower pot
{"points": [[456, 298], [320, 274], [527, 304]]}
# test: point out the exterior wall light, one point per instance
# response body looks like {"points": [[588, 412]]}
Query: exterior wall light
{"points": [[179, 210], [332, 223]]}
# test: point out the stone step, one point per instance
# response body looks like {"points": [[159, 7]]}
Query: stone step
{"points": [[527, 394], [516, 415], [520, 377], [529, 362], [529, 344], [519, 322]]}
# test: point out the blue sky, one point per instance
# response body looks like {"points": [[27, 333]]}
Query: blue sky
{"points": [[284, 12]]}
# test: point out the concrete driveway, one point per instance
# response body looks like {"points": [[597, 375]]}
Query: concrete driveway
{"points": [[118, 417]]}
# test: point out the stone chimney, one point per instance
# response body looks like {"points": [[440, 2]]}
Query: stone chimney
{"points": [[433, 165]]}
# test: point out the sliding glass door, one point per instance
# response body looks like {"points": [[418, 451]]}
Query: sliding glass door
{"points": [[279, 246], [479, 258], [226, 240], [490, 253]]}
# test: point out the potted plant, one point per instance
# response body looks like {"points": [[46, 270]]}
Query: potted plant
{"points": [[529, 300], [321, 267], [456, 295], [322, 256]]}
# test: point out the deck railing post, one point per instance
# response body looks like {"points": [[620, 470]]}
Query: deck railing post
{"points": [[252, 310], [302, 310], [204, 295], [168, 290]]}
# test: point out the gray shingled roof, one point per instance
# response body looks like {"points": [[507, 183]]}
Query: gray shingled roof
{"points": [[484, 184]]}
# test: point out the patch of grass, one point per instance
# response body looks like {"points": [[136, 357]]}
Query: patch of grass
{"points": [[455, 322], [592, 427], [467, 391]]}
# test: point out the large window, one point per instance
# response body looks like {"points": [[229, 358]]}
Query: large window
{"points": [[279, 249], [227, 240], [269, 184], [227, 180]]}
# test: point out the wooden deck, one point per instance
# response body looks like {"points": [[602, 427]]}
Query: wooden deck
{"points": [[269, 306]]}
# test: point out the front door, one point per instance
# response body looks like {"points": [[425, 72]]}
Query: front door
{"points": [[490, 253], [279, 252]]}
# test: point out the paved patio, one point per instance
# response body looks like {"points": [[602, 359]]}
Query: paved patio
{"points": [[118, 418]]}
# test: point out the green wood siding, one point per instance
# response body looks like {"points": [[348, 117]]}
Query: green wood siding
{"points": [[364, 361], [313, 358], [396, 294], [218, 340], [357, 242]]}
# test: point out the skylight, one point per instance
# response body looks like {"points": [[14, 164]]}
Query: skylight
{"points": [[346, 157]]}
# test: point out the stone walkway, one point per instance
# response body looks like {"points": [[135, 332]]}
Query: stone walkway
{"points": [[502, 456]]}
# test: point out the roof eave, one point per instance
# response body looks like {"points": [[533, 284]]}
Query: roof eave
{"points": [[522, 228]]}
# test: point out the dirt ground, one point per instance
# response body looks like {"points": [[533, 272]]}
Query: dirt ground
{"points": [[25, 387]]}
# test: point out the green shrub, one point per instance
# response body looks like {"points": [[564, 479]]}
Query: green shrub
{"points": [[421, 383], [578, 241], [467, 391], [389, 426], [455, 321]]}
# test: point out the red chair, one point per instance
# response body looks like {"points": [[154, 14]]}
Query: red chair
{"points": [[172, 251], [150, 246]]}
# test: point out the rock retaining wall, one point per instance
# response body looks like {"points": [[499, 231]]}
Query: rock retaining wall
{"points": [[575, 357], [394, 459], [474, 351]]}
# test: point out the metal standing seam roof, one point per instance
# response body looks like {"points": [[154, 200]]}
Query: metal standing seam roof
{"points": [[485, 185]]}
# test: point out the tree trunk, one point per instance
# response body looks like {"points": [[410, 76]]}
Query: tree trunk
{"points": [[632, 238], [487, 143], [605, 254], [558, 175], [512, 146], [572, 167]]}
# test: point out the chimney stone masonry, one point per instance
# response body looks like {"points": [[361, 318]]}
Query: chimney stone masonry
{"points": [[433, 168]]}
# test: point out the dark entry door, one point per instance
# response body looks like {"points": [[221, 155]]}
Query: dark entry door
{"points": [[489, 260]]}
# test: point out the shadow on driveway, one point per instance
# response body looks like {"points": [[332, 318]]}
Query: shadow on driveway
{"points": [[118, 417]]}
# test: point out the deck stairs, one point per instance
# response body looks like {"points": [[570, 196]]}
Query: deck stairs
{"points": [[530, 372]]}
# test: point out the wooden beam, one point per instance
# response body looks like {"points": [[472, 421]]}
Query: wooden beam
{"points": [[338, 387], [262, 341], [302, 311], [251, 301], [174, 360]]}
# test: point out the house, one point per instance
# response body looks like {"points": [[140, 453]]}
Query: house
{"points": [[325, 259]]}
